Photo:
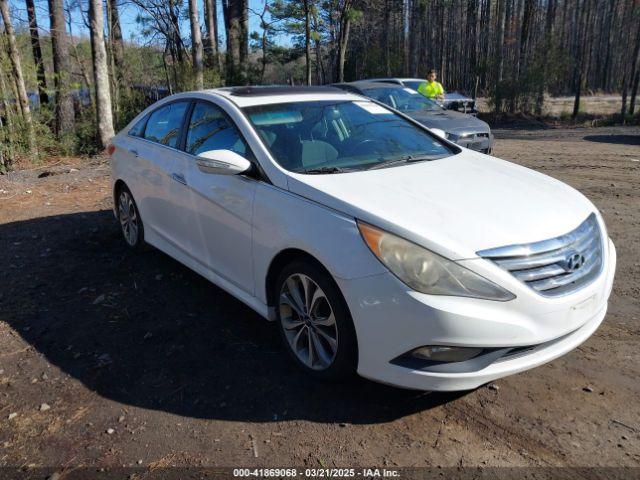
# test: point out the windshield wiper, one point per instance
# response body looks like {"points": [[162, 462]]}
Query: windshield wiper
{"points": [[405, 159], [323, 170]]}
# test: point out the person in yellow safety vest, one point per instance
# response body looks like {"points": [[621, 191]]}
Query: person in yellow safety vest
{"points": [[431, 88]]}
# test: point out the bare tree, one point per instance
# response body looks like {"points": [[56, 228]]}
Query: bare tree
{"points": [[234, 14], [37, 52], [211, 22], [104, 115], [347, 15], [630, 72], [60, 46], [547, 43], [16, 67], [636, 75], [196, 44], [115, 53], [307, 40]]}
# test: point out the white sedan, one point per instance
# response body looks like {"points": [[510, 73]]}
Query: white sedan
{"points": [[377, 246]]}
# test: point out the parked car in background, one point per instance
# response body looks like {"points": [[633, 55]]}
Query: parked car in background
{"points": [[465, 130], [375, 245], [452, 100]]}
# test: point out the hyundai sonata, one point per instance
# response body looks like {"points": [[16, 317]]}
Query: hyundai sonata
{"points": [[376, 246]]}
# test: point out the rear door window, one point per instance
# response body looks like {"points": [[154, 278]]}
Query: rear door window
{"points": [[164, 124]]}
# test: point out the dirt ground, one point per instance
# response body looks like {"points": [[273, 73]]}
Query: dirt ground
{"points": [[113, 359]]}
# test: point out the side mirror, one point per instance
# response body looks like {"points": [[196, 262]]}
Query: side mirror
{"points": [[439, 132], [222, 162]]}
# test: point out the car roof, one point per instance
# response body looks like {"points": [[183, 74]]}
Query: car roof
{"points": [[395, 79], [262, 95], [363, 84]]}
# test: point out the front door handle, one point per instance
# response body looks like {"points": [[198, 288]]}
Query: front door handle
{"points": [[178, 177], [134, 152]]}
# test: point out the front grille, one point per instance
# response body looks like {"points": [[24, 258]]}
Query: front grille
{"points": [[556, 266]]}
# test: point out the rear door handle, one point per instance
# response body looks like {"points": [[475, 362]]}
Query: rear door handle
{"points": [[134, 152], [178, 177]]}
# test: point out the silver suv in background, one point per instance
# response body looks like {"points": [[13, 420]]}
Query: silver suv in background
{"points": [[465, 130], [452, 100]]}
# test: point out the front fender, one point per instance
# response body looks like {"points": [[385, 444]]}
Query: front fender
{"points": [[283, 220]]}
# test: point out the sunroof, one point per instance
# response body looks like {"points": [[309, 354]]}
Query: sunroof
{"points": [[278, 90]]}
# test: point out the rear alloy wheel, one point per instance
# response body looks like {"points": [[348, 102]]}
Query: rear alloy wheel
{"points": [[315, 323], [129, 217]]}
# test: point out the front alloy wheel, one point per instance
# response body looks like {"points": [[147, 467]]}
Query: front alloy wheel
{"points": [[315, 322], [308, 321]]}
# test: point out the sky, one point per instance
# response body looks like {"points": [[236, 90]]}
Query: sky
{"points": [[128, 13]]}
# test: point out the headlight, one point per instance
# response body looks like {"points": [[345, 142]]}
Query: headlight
{"points": [[428, 272], [451, 136]]}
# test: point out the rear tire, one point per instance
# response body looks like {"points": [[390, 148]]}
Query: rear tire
{"points": [[129, 218], [315, 323]]}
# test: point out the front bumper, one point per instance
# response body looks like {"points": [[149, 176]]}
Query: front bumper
{"points": [[390, 320]]}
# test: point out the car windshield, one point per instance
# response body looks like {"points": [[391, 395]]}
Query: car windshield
{"points": [[413, 84], [332, 137], [403, 99]]}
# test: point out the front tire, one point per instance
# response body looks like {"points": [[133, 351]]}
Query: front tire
{"points": [[129, 218], [315, 323]]}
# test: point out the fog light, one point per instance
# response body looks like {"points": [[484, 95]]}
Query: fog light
{"points": [[446, 354]]}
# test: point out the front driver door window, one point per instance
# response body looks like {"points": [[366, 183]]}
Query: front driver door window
{"points": [[211, 129]]}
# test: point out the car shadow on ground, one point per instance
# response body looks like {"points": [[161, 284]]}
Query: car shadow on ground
{"points": [[615, 139], [143, 330]]}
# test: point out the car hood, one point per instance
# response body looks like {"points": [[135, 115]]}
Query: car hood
{"points": [[454, 206], [449, 121]]}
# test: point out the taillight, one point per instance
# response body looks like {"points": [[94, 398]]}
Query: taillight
{"points": [[110, 149]]}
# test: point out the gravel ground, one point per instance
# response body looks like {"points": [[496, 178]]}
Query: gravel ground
{"points": [[113, 359]]}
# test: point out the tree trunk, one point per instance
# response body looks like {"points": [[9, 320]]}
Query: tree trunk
{"points": [[233, 17], [104, 115], [579, 48], [386, 39], [211, 21], [307, 42], [60, 45], [16, 68], [606, 80], [521, 63], [499, 54], [37, 52], [116, 50], [196, 44], [176, 38], [634, 74], [634, 93], [406, 18], [244, 39], [115, 32], [343, 38], [548, 42], [472, 36]]}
